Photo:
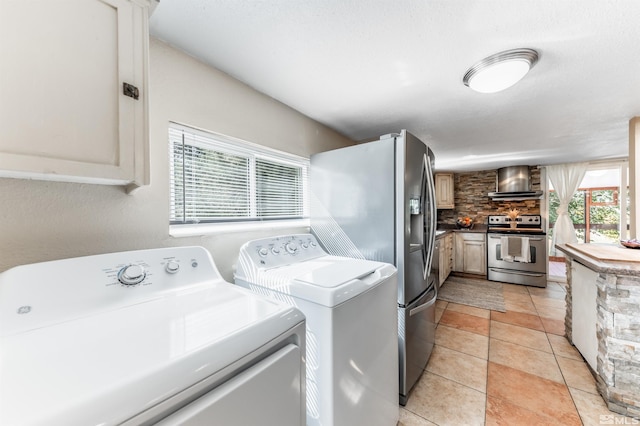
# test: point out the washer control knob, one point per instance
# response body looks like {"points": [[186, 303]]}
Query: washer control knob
{"points": [[172, 267], [263, 252], [305, 245], [291, 248], [132, 274], [275, 251], [313, 244]]}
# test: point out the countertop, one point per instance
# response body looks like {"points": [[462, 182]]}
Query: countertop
{"points": [[599, 259], [442, 230]]}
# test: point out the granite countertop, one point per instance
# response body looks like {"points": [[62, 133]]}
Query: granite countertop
{"points": [[479, 228], [599, 261]]}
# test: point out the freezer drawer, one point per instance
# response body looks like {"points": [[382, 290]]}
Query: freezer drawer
{"points": [[416, 337]]}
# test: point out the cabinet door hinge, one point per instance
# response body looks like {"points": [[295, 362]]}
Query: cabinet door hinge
{"points": [[130, 90]]}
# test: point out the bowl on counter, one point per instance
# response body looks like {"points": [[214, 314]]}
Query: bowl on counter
{"points": [[464, 223], [634, 244]]}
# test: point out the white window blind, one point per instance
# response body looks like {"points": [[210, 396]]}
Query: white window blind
{"points": [[215, 178]]}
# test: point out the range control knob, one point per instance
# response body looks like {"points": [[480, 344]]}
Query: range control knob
{"points": [[132, 275], [172, 267], [291, 248]]}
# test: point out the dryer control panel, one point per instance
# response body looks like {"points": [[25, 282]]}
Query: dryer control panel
{"points": [[278, 251], [42, 294]]}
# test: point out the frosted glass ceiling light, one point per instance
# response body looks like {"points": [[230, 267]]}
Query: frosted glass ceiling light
{"points": [[500, 71]]}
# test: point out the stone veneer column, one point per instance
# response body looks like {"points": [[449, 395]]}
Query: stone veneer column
{"points": [[568, 318], [618, 330]]}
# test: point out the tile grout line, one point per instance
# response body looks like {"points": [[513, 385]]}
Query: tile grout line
{"points": [[568, 390], [555, 357], [491, 336], [486, 385], [552, 353], [464, 353], [456, 382]]}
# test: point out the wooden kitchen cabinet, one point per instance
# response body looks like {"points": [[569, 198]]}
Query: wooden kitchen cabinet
{"points": [[449, 252], [444, 190], [442, 272], [64, 113], [470, 253], [445, 257]]}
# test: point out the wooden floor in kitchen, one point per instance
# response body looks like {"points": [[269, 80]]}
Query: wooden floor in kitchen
{"points": [[513, 368]]}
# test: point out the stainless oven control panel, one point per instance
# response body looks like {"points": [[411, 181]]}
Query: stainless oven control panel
{"points": [[529, 220]]}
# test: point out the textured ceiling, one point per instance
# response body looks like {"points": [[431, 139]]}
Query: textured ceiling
{"points": [[370, 67]]}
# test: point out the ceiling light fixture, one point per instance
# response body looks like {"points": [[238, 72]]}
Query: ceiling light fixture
{"points": [[500, 71]]}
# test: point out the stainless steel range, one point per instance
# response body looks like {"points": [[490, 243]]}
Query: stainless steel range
{"points": [[517, 253]]}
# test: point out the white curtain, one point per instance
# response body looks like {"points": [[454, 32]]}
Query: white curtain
{"points": [[566, 179]]}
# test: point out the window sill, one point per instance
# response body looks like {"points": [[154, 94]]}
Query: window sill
{"points": [[178, 231]]}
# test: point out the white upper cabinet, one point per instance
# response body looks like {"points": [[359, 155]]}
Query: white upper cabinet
{"points": [[64, 114]]}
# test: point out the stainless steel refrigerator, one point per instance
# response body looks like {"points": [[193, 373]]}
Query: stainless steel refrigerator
{"points": [[377, 201]]}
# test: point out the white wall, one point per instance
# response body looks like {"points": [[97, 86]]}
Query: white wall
{"points": [[42, 221], [634, 176]]}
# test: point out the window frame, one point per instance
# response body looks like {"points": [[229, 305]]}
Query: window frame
{"points": [[205, 139], [620, 199]]}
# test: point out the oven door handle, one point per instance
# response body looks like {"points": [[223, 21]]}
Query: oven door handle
{"points": [[511, 271], [530, 239]]}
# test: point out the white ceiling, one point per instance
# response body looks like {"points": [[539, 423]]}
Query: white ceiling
{"points": [[370, 67]]}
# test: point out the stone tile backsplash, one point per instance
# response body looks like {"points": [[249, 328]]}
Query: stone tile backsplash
{"points": [[470, 194]]}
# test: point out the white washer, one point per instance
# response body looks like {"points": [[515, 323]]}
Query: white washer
{"points": [[142, 337], [352, 334]]}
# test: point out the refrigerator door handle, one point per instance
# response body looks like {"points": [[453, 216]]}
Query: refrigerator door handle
{"points": [[429, 228], [425, 244], [425, 305]]}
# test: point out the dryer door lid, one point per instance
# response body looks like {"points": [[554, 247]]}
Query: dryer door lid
{"points": [[336, 274]]}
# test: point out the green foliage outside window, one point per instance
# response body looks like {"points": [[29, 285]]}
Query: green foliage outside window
{"points": [[576, 207], [606, 212]]}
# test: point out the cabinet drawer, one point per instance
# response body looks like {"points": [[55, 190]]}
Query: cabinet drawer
{"points": [[472, 236]]}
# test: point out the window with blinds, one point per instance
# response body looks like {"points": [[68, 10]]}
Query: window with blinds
{"points": [[215, 178]]}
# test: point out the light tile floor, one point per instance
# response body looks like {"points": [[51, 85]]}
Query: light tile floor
{"points": [[512, 368]]}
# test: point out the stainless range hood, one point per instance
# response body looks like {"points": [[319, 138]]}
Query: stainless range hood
{"points": [[514, 184]]}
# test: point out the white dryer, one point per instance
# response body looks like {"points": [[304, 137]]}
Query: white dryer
{"points": [[145, 337], [351, 318]]}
